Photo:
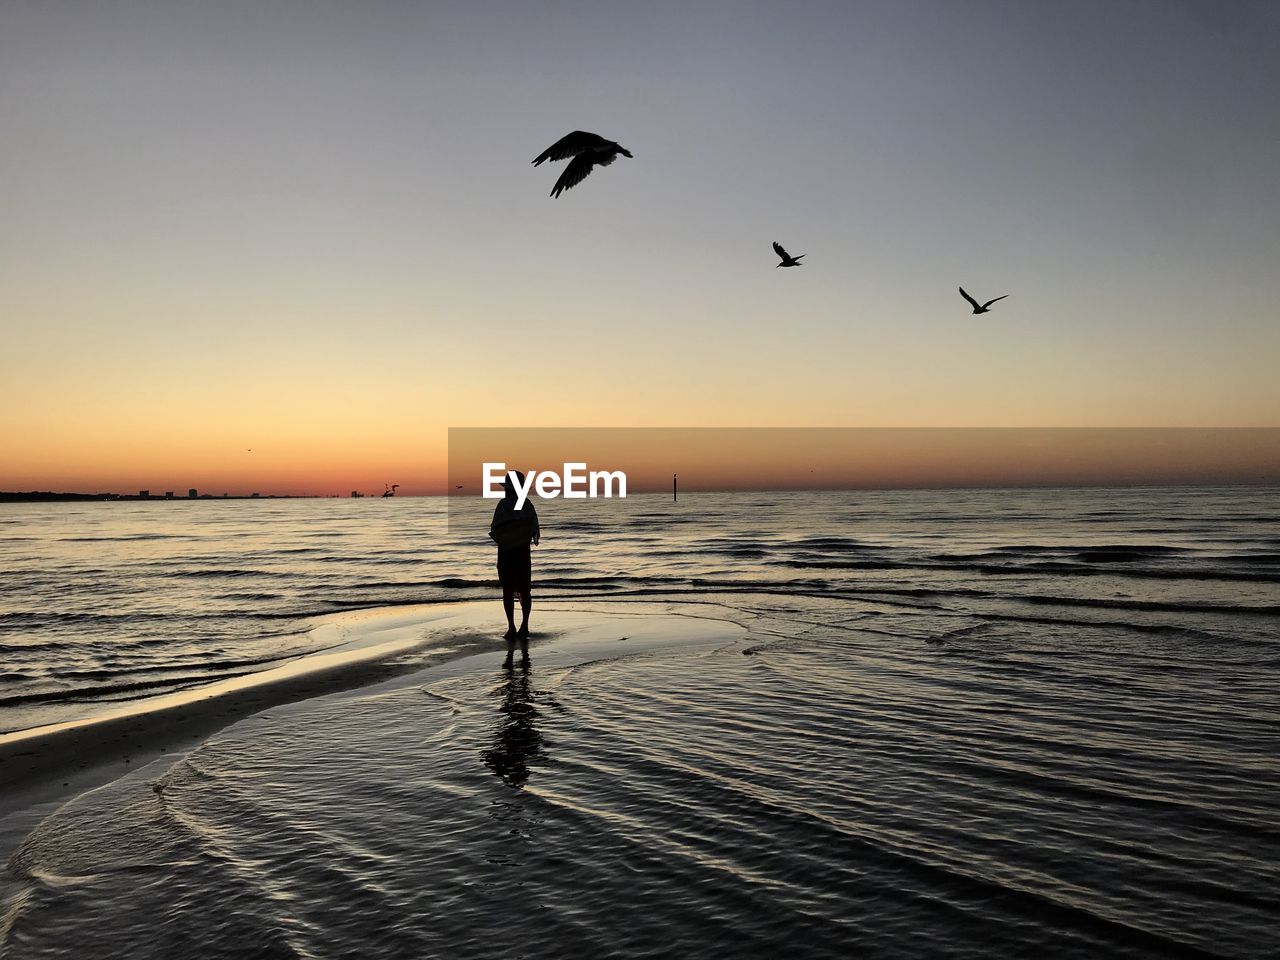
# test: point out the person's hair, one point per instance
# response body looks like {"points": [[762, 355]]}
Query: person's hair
{"points": [[509, 488]]}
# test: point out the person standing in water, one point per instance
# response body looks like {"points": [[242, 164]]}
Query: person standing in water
{"points": [[514, 531]]}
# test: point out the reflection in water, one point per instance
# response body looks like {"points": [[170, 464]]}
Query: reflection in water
{"points": [[517, 741]]}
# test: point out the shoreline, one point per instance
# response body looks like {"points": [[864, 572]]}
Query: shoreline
{"points": [[45, 767]]}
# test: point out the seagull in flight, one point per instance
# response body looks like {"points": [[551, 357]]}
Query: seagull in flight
{"points": [[977, 307], [588, 151], [787, 259]]}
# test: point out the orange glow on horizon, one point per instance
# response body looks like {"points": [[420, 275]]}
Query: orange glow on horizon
{"points": [[835, 458], [705, 458]]}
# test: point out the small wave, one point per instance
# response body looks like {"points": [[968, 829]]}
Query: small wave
{"points": [[848, 565], [1169, 607], [224, 572], [1267, 558], [1122, 549], [216, 666], [831, 543], [125, 537], [96, 691], [1057, 568], [41, 618]]}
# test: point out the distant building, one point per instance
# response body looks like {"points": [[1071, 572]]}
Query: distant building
{"points": [[168, 494], [144, 494], [354, 494], [192, 493], [254, 494]]}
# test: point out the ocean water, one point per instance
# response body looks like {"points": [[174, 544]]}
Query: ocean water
{"points": [[963, 723], [108, 601]]}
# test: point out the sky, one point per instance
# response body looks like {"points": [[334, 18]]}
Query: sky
{"points": [[285, 246], [861, 458]]}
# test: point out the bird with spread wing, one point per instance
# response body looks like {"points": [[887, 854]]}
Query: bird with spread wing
{"points": [[979, 307], [588, 151], [787, 259]]}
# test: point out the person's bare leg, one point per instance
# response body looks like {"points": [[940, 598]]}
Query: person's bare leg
{"points": [[526, 604], [509, 607]]}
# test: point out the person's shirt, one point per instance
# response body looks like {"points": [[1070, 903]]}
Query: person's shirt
{"points": [[506, 511]]}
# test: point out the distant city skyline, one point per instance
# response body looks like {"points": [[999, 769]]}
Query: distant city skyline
{"points": [[286, 247]]}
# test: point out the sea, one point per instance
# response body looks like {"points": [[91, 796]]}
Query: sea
{"points": [[960, 723]]}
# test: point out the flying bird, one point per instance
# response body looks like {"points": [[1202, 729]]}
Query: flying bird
{"points": [[588, 151], [787, 259], [979, 308]]}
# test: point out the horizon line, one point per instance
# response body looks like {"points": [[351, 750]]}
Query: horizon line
{"points": [[14, 496]]}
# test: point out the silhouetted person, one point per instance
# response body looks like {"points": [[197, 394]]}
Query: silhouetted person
{"points": [[787, 259], [979, 307], [514, 531], [588, 150]]}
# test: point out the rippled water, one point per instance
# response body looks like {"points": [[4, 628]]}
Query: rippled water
{"points": [[809, 791], [959, 724], [109, 601]]}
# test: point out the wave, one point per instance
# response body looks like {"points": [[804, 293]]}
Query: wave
{"points": [[1124, 549], [224, 572], [122, 538], [213, 664], [128, 686], [976, 563], [852, 565]]}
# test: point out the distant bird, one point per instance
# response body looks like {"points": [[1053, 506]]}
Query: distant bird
{"points": [[979, 308], [587, 149], [787, 259], [458, 487]]}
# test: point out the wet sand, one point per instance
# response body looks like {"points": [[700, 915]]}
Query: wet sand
{"points": [[45, 766]]}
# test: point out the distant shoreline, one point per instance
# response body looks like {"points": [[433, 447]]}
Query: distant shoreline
{"points": [[47, 496]]}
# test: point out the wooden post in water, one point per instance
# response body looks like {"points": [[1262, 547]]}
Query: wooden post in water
{"points": [[675, 491]]}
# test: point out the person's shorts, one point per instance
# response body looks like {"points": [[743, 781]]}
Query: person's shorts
{"points": [[515, 569]]}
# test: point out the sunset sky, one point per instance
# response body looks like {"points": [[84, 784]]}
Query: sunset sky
{"points": [[284, 246], [781, 458]]}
